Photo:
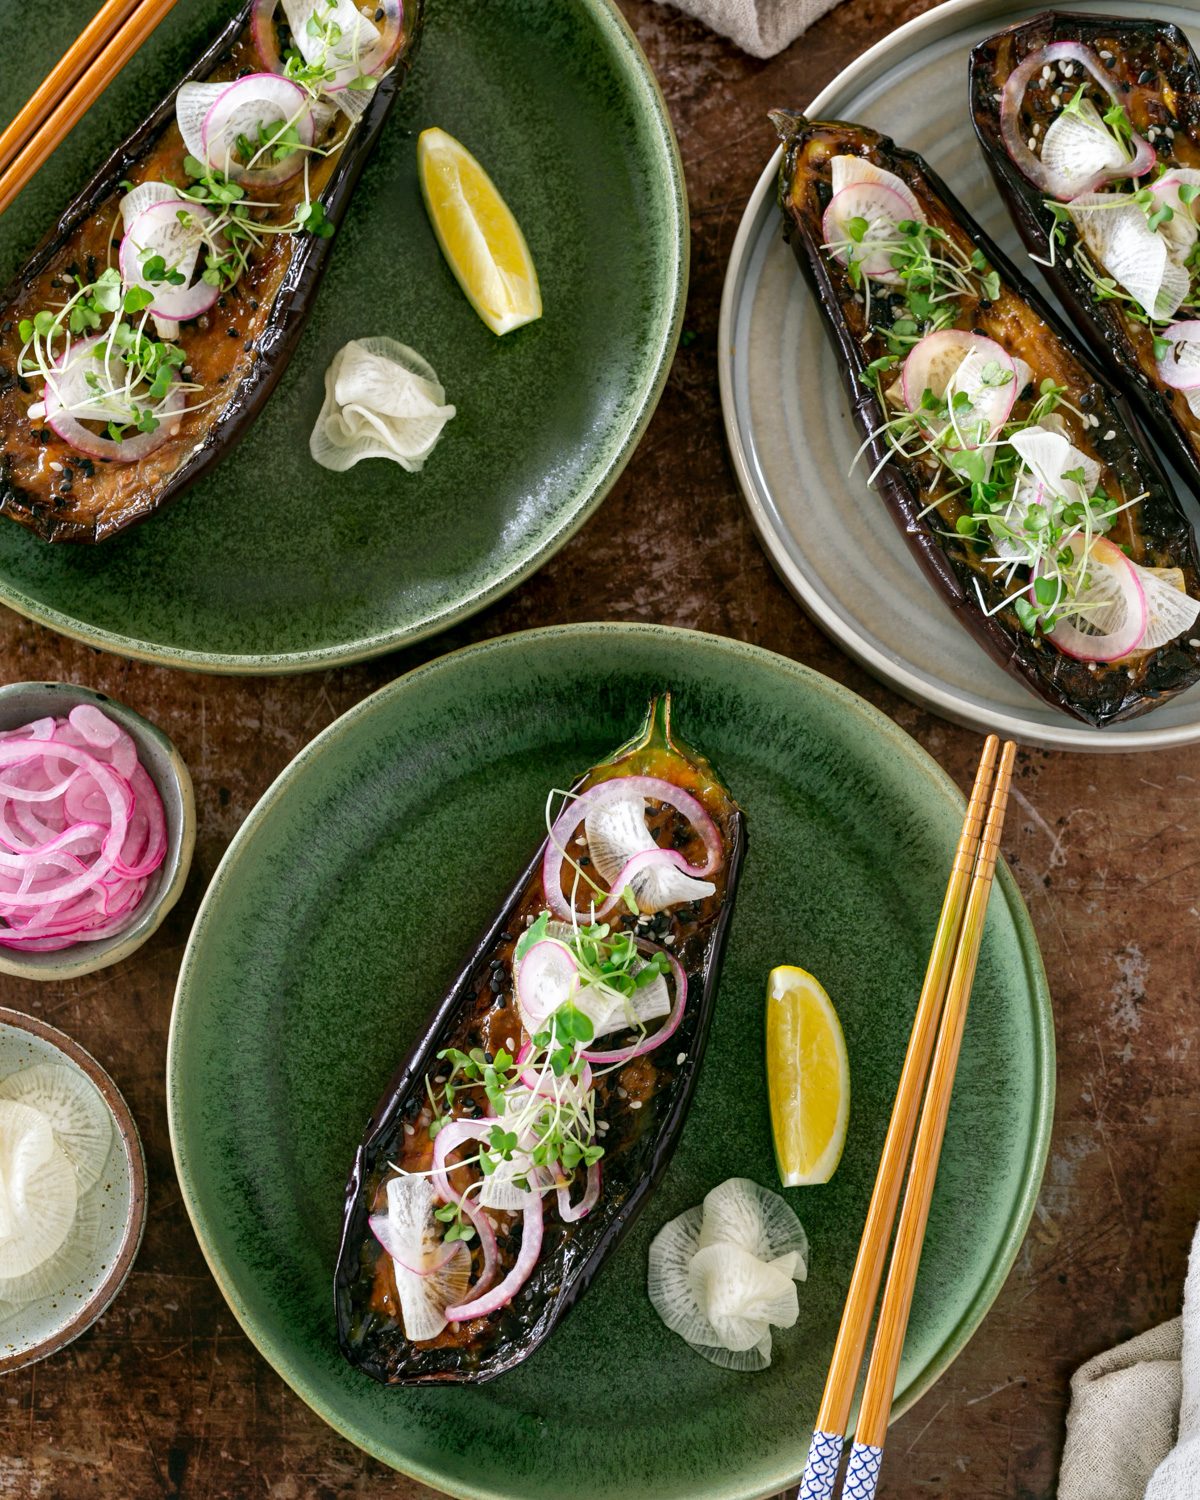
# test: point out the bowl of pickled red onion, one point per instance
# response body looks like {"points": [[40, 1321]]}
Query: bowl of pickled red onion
{"points": [[97, 829]]}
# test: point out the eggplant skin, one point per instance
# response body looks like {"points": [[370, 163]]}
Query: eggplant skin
{"points": [[278, 334], [1172, 98], [1112, 692], [571, 1254]]}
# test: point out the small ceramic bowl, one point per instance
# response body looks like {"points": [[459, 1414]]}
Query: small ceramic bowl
{"points": [[23, 702], [42, 1328]]}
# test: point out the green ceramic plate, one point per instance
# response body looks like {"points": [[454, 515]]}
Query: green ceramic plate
{"points": [[272, 564], [342, 911]]}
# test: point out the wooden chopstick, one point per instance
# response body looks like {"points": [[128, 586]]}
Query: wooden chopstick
{"points": [[866, 1456], [45, 127], [67, 71], [833, 1416]]}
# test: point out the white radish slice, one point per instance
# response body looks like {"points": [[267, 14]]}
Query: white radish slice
{"points": [[70, 402], [882, 209], [144, 196], [547, 977], [382, 400], [77, 1115], [213, 116], [668, 1283], [159, 230], [1049, 456], [616, 830], [1014, 136], [848, 171], [743, 1360], [499, 1190], [951, 361], [1170, 609], [1077, 149], [741, 1212], [1179, 367], [648, 1003], [740, 1295], [933, 361], [1180, 229], [350, 55], [72, 1267], [1108, 617], [1115, 230], [38, 1192], [428, 1277]]}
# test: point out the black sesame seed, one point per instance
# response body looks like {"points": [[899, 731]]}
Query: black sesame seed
{"points": [[233, 332], [380, 13], [247, 346], [6, 327], [497, 982], [489, 1057], [24, 385], [1146, 76], [253, 304]]}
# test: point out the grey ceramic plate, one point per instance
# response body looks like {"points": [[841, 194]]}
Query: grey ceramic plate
{"points": [[345, 905], [788, 422], [117, 1202], [273, 564]]}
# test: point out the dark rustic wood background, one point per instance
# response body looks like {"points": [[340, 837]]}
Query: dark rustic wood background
{"points": [[166, 1397]]}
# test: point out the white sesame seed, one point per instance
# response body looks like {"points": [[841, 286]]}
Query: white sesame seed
{"points": [[1093, 421], [1068, 70], [602, 1127], [1110, 434], [408, 1130], [581, 840], [681, 1059], [1091, 666], [1195, 645], [509, 1044], [56, 466], [1070, 263], [1057, 101], [1170, 132], [1047, 72], [1037, 129], [637, 1103], [1106, 55], [622, 1093], [1032, 143], [1152, 133]]}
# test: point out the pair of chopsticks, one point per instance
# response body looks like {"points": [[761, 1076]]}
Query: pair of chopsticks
{"points": [[933, 1051], [77, 80]]}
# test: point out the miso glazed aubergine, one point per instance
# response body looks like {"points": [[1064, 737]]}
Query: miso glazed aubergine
{"points": [[532, 1120], [1091, 128], [150, 327], [1016, 472]]}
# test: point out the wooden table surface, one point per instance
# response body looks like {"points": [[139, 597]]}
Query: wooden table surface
{"points": [[166, 1396]]}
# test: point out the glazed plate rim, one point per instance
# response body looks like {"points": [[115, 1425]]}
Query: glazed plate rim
{"points": [[799, 677], [639, 79], [1063, 733]]}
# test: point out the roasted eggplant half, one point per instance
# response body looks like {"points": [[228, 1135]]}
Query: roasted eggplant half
{"points": [[1016, 472], [148, 330], [533, 1118], [1091, 128]]}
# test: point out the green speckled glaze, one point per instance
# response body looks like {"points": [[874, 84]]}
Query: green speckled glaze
{"points": [[341, 913], [273, 564]]}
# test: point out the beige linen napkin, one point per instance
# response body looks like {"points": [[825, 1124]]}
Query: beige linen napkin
{"points": [[760, 27], [1133, 1430]]}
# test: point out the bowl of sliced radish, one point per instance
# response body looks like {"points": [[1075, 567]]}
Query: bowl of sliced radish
{"points": [[97, 829], [72, 1190]]}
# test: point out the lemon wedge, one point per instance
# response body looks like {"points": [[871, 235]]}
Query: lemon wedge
{"points": [[808, 1078], [479, 236]]}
